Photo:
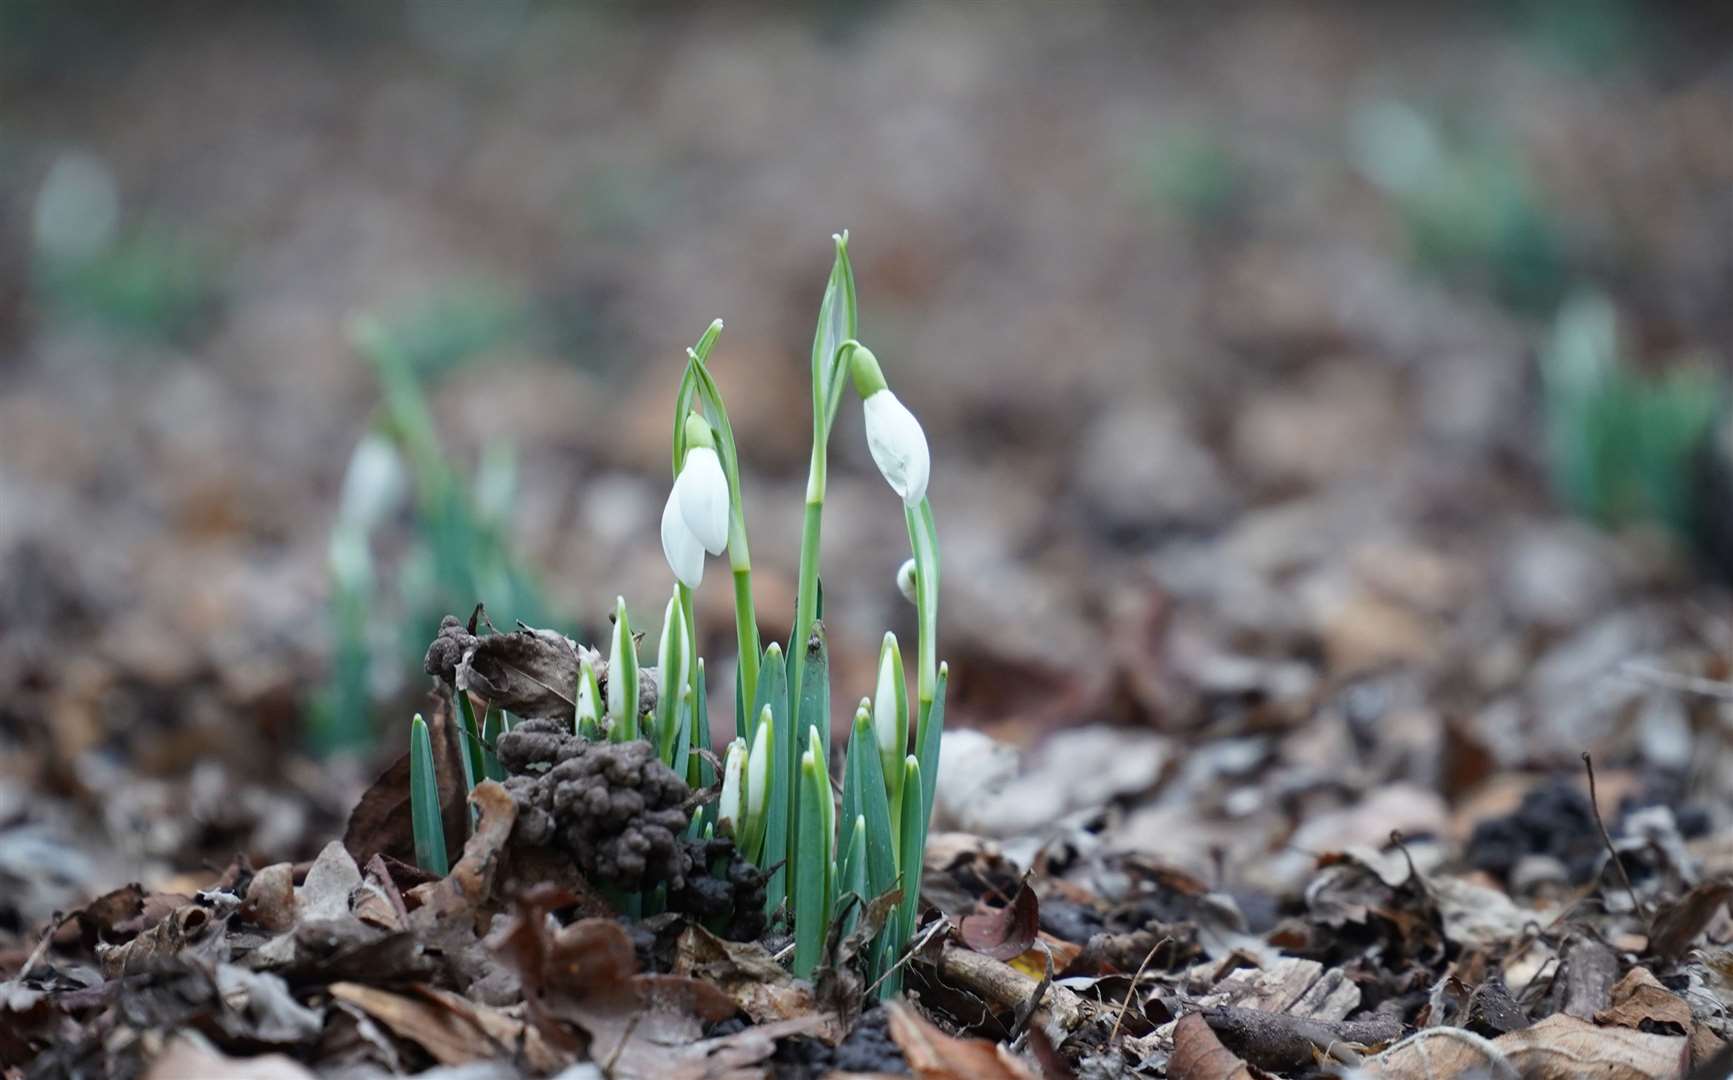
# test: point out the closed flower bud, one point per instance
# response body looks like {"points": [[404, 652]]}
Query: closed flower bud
{"points": [[890, 708], [898, 446], [728, 819], [906, 580]]}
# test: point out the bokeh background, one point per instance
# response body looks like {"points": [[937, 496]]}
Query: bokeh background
{"points": [[1328, 398]]}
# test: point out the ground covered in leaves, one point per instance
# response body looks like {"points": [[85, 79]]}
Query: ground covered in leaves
{"points": [[1275, 660]]}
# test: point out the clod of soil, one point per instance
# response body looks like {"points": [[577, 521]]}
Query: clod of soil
{"points": [[621, 814]]}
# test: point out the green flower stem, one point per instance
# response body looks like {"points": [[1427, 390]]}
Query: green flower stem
{"points": [[806, 599], [685, 593], [699, 383], [745, 613], [923, 539]]}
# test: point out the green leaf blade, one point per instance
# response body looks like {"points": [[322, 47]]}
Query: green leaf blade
{"points": [[426, 821]]}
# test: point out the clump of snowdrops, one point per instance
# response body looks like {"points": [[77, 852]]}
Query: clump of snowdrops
{"points": [[827, 856]]}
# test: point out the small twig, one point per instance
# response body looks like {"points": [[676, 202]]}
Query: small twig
{"points": [[1401, 843], [908, 954], [1676, 681], [1595, 805], [1132, 989], [619, 1048], [1026, 1011]]}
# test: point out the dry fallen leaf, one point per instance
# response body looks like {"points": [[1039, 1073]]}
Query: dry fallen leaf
{"points": [[933, 1055], [1641, 1002], [467, 888], [528, 672], [1677, 924], [1558, 1048], [452, 1029], [1199, 1055], [1005, 933], [762, 988]]}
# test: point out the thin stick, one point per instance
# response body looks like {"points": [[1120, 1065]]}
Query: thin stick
{"points": [[909, 953], [1673, 680], [1132, 989], [1595, 805]]}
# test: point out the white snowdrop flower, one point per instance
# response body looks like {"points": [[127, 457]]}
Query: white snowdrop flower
{"points": [[898, 446], [702, 492], [373, 484], [684, 551]]}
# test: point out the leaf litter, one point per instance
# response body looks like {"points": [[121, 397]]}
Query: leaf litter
{"points": [[1257, 661]]}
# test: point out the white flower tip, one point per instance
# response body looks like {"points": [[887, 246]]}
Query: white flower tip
{"points": [[898, 446]]}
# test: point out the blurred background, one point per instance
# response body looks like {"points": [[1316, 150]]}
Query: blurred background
{"points": [[1330, 399]]}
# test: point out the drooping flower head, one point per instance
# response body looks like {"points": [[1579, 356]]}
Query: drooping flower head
{"points": [[695, 517], [894, 437]]}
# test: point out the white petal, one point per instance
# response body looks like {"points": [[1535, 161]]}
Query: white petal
{"points": [[703, 493], [898, 446], [684, 553]]}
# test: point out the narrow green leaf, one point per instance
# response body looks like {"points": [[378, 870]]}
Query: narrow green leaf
{"points": [[623, 697], [671, 667], [429, 827], [850, 789], [932, 732], [681, 751], [700, 773], [838, 321], [913, 844], [773, 693], [853, 876], [492, 727], [697, 355], [471, 736], [813, 714], [867, 777], [812, 867]]}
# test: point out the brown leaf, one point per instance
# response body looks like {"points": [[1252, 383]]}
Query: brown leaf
{"points": [[1005, 933], [762, 988], [528, 672], [1199, 1055], [1557, 1048], [193, 928], [933, 1055], [1678, 924], [1590, 966], [585, 975], [99, 918], [1641, 1002], [379, 903], [452, 1029], [470, 884]]}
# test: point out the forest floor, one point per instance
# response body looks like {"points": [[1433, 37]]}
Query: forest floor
{"points": [[1295, 725]]}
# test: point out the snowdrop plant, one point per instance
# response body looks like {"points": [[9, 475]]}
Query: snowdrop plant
{"points": [[777, 798], [779, 801]]}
